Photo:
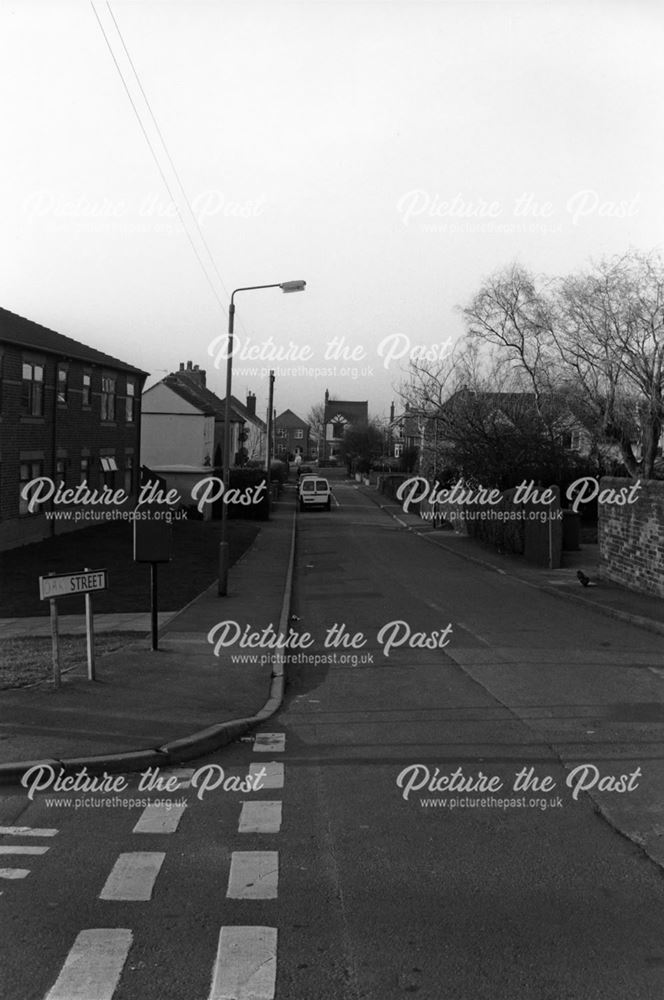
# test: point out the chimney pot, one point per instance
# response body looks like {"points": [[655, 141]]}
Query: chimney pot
{"points": [[188, 366]]}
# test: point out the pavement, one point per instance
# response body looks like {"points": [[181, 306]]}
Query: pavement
{"points": [[148, 707], [604, 596]]}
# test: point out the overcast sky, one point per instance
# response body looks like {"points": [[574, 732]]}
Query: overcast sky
{"points": [[380, 151]]}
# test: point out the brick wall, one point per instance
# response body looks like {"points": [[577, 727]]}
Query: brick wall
{"points": [[631, 537], [65, 432]]}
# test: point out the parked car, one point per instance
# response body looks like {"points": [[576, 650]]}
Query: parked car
{"points": [[304, 470], [314, 492]]}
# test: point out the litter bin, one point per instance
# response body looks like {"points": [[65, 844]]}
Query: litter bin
{"points": [[571, 531]]}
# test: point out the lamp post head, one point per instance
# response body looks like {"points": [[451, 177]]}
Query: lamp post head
{"points": [[293, 286]]}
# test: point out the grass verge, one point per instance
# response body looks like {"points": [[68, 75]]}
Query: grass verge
{"points": [[27, 659], [110, 546]]}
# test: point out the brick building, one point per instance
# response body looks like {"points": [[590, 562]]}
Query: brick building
{"points": [[292, 435], [67, 412], [340, 415]]}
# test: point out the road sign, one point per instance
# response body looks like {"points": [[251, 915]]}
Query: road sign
{"points": [[71, 584]]}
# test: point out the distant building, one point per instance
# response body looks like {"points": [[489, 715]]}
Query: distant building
{"points": [[183, 428], [69, 413], [253, 435], [292, 436], [339, 416]]}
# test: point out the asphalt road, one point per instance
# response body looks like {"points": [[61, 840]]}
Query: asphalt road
{"points": [[375, 891]]}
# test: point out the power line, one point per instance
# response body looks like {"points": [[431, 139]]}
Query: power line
{"points": [[156, 159], [165, 148]]}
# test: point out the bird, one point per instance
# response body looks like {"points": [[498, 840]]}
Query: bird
{"points": [[584, 580]]}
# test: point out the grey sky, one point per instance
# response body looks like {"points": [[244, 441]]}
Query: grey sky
{"points": [[378, 150]]}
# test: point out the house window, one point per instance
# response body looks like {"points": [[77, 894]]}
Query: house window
{"points": [[60, 471], [63, 377], [338, 429], [33, 389], [299, 434], [108, 469], [28, 472], [129, 402], [86, 396], [129, 474], [85, 469], [107, 397]]}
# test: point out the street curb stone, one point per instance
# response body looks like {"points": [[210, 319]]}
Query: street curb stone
{"points": [[197, 744], [616, 613]]}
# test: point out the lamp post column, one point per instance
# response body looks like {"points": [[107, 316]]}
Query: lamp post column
{"points": [[224, 556]]}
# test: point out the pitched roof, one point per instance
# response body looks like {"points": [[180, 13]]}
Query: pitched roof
{"points": [[22, 332], [354, 411], [201, 397], [290, 419], [247, 415]]}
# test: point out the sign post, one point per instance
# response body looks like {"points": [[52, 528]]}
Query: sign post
{"points": [[153, 543], [68, 585], [55, 642], [90, 634]]}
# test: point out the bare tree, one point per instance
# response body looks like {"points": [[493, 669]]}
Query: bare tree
{"points": [[594, 340], [611, 335], [514, 313]]}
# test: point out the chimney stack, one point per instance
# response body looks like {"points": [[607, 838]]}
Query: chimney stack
{"points": [[251, 403], [193, 374], [392, 413]]}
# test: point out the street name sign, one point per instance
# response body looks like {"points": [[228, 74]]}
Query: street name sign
{"points": [[70, 584]]}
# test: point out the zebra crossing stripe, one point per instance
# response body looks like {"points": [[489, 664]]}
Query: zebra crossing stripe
{"points": [[246, 964], [273, 777], [253, 875], [260, 817], [183, 774], [94, 965], [160, 817], [22, 849], [270, 742], [133, 876], [14, 872], [25, 831]]}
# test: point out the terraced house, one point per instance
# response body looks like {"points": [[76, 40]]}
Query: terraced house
{"points": [[69, 413]]}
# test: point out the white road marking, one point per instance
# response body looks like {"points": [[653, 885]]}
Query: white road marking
{"points": [[253, 875], [133, 876], [160, 817], [246, 964], [14, 872], [274, 775], [260, 817], [270, 742], [183, 774], [93, 966], [25, 831], [20, 849]]}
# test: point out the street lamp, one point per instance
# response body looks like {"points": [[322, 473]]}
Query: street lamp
{"points": [[224, 561]]}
